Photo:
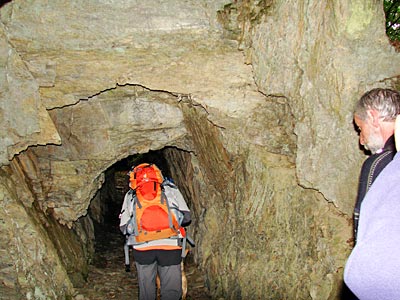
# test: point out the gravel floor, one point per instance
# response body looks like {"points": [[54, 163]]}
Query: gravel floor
{"points": [[109, 280]]}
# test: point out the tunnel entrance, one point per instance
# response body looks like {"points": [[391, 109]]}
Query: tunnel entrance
{"points": [[106, 205], [108, 278]]}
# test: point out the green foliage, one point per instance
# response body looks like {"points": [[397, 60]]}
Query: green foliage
{"points": [[392, 13]]}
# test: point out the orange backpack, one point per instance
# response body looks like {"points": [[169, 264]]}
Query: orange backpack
{"points": [[152, 218]]}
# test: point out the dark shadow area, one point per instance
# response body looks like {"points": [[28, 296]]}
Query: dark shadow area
{"points": [[347, 294], [3, 2]]}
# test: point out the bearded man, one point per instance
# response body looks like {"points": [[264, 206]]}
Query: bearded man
{"points": [[374, 115]]}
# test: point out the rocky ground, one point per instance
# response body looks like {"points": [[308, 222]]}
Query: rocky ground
{"points": [[109, 280]]}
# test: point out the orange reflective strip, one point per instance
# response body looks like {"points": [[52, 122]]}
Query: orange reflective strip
{"points": [[162, 247]]}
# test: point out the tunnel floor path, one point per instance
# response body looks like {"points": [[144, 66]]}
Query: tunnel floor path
{"points": [[108, 279]]}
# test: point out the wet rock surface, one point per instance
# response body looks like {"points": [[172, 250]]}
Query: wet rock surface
{"points": [[107, 276]]}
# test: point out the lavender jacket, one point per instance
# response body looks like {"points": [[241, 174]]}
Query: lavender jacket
{"points": [[373, 269]]}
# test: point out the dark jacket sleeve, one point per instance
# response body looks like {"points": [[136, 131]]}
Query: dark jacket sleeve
{"points": [[186, 218]]}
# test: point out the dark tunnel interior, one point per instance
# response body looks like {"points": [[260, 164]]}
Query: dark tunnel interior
{"points": [[105, 211], [108, 262]]}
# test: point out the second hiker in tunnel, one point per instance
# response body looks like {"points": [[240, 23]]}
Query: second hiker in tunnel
{"points": [[153, 215]]}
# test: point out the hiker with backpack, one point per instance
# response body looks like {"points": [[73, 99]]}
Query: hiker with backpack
{"points": [[153, 217]]}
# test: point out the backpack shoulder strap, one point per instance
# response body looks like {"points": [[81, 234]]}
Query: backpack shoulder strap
{"points": [[164, 198], [133, 202], [169, 183], [135, 199]]}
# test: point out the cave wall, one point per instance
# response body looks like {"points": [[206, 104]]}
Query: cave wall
{"points": [[257, 231], [329, 54], [258, 96], [40, 258]]}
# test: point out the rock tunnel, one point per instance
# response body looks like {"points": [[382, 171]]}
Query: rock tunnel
{"points": [[105, 207], [246, 104], [107, 240]]}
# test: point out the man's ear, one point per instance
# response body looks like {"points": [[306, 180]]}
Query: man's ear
{"points": [[397, 132], [375, 117]]}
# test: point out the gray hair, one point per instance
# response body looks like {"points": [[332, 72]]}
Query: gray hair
{"points": [[385, 101]]}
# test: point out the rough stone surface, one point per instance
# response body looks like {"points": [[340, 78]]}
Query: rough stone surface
{"points": [[253, 100], [22, 112], [30, 264], [321, 60]]}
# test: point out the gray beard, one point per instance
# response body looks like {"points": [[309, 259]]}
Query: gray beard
{"points": [[375, 143]]}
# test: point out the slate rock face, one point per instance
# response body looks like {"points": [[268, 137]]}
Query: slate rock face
{"points": [[251, 102]]}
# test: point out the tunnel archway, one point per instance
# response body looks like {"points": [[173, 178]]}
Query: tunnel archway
{"points": [[102, 136], [100, 131], [104, 210], [106, 204]]}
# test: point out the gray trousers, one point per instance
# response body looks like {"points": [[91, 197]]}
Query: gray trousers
{"points": [[170, 278]]}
